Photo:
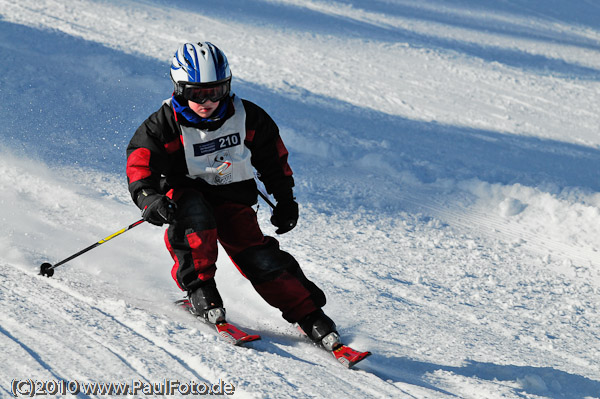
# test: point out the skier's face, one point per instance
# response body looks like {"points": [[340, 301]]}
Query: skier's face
{"points": [[204, 110]]}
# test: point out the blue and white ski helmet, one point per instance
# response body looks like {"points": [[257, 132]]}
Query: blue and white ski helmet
{"points": [[199, 63]]}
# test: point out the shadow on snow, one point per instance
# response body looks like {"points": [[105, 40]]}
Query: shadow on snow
{"points": [[84, 113], [543, 381], [465, 14]]}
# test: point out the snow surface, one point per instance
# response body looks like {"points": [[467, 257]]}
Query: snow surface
{"points": [[447, 159]]}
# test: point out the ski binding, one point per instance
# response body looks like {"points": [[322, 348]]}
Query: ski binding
{"points": [[228, 331]]}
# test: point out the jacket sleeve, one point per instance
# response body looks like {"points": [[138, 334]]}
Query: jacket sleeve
{"points": [[147, 157], [269, 154]]}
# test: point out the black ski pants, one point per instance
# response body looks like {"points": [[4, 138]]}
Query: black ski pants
{"points": [[274, 273]]}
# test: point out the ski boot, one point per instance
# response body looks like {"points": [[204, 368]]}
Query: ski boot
{"points": [[206, 302], [321, 329]]}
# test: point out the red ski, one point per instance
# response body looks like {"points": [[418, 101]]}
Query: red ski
{"points": [[234, 335], [344, 354], [348, 356], [226, 330]]}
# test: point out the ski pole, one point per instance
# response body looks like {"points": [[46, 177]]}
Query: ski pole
{"points": [[46, 269], [262, 191], [267, 200]]}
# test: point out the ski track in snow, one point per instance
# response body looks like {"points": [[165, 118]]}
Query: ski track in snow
{"points": [[446, 157], [140, 344]]}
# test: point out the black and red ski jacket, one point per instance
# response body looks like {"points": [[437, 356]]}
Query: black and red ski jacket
{"points": [[156, 160]]}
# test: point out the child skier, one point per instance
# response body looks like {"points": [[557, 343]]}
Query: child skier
{"points": [[191, 165]]}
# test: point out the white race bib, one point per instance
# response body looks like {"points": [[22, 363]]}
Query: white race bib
{"points": [[219, 156]]}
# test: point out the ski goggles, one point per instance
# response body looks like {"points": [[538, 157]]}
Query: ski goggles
{"points": [[202, 92]]}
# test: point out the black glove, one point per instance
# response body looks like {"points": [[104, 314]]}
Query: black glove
{"points": [[285, 215], [160, 209]]}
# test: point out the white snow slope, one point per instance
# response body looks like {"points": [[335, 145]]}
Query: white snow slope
{"points": [[447, 160]]}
